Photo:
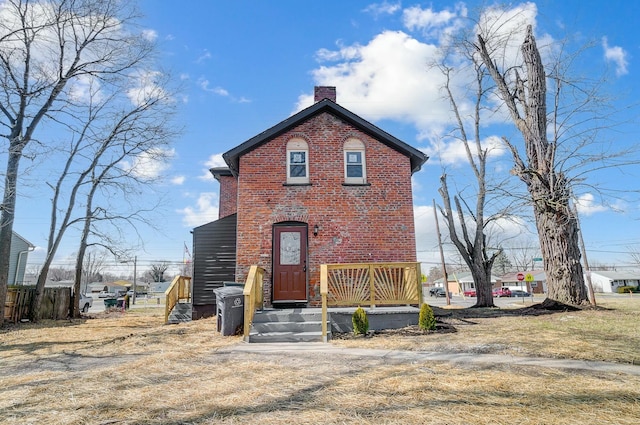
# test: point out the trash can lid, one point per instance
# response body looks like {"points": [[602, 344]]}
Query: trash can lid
{"points": [[227, 291]]}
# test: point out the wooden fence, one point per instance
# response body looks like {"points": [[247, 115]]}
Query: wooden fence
{"points": [[368, 284], [55, 303]]}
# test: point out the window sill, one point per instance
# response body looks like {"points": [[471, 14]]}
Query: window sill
{"points": [[356, 184]]}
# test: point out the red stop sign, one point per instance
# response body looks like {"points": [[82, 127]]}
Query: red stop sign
{"points": [[520, 276]]}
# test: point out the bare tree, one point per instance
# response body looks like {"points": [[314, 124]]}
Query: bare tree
{"points": [[522, 252], [58, 273], [157, 270], [142, 130], [468, 225], [435, 273], [634, 255], [92, 268], [549, 187], [47, 49]]}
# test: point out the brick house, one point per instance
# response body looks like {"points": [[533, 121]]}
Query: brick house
{"points": [[323, 186]]}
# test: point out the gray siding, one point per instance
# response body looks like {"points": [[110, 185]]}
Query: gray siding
{"points": [[18, 261], [214, 260]]}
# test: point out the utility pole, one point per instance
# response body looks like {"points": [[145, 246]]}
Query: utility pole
{"points": [[592, 295], [135, 273], [444, 268]]}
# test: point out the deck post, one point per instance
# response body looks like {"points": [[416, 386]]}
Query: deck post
{"points": [[323, 293]]}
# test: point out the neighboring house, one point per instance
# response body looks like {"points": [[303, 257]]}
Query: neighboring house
{"points": [[20, 249], [323, 186], [458, 283], [610, 281], [535, 281], [464, 281]]}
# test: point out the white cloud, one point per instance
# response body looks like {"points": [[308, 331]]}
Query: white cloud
{"points": [[150, 35], [452, 151], [85, 89], [587, 206], [44, 49], [384, 8], [388, 78], [502, 232], [178, 180], [220, 91], [205, 210], [150, 164], [145, 87], [617, 55], [392, 76], [433, 23], [206, 55], [214, 161]]}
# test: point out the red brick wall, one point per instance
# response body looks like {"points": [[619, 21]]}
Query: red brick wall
{"points": [[371, 223], [228, 203]]}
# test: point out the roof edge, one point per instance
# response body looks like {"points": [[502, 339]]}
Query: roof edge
{"points": [[416, 156]]}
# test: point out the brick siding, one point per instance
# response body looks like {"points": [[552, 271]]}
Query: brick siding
{"points": [[369, 223], [228, 202]]}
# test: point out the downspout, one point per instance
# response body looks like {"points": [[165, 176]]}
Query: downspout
{"points": [[15, 275]]}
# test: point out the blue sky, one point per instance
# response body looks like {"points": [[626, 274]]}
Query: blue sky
{"points": [[244, 66]]}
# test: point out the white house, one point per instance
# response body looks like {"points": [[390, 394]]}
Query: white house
{"points": [[533, 281], [610, 281], [458, 283]]}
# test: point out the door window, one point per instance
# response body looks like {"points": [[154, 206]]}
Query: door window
{"points": [[289, 248]]}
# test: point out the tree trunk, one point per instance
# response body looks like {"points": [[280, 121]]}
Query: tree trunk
{"points": [[6, 219], [77, 281], [82, 250], [558, 233], [549, 188], [484, 287]]}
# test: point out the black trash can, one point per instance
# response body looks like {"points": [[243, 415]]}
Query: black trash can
{"points": [[230, 309]]}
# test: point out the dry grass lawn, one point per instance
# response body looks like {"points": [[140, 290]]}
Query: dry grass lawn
{"points": [[131, 369]]}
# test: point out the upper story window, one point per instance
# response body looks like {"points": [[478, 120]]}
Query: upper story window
{"points": [[355, 168], [297, 162]]}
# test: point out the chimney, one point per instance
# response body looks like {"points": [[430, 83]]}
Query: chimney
{"points": [[324, 92]]}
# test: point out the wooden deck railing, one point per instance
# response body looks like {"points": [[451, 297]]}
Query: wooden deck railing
{"points": [[179, 290], [368, 284], [252, 297]]}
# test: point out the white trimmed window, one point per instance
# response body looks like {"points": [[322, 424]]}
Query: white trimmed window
{"points": [[297, 162], [355, 168]]}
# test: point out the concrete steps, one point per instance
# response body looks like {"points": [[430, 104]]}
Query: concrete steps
{"points": [[182, 312], [290, 325]]}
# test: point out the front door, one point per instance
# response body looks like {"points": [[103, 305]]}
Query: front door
{"points": [[289, 263]]}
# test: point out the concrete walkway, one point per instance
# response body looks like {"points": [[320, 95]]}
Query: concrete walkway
{"points": [[423, 356]]}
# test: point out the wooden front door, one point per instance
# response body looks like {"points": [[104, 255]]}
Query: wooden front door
{"points": [[289, 263]]}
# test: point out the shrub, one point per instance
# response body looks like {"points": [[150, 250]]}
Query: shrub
{"points": [[426, 320], [627, 289], [360, 321]]}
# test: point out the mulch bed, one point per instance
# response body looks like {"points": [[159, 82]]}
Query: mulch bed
{"points": [[446, 319]]}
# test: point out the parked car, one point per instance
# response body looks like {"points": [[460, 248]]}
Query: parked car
{"points": [[470, 293], [440, 292], [519, 293], [501, 292], [106, 294], [85, 303]]}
